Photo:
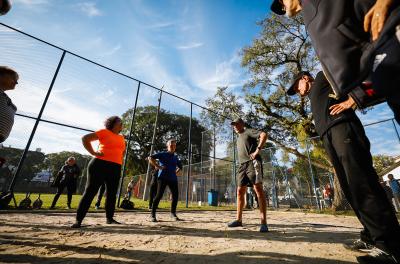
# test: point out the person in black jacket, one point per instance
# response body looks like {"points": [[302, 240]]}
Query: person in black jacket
{"points": [[348, 148], [66, 177], [355, 40]]}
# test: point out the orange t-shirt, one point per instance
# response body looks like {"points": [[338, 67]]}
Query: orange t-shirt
{"points": [[111, 145]]}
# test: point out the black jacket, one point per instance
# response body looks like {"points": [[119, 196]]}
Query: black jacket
{"points": [[321, 100], [337, 34]]}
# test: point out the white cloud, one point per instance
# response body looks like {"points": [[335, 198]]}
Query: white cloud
{"points": [[90, 9], [190, 46]]}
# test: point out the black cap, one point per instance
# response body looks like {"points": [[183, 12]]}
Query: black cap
{"points": [[291, 90], [5, 6], [236, 121], [277, 7]]}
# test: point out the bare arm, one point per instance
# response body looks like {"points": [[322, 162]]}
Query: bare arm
{"points": [[263, 138], [154, 163], [87, 140]]}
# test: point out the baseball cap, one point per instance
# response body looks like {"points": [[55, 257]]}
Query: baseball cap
{"points": [[291, 90], [277, 7], [237, 120]]}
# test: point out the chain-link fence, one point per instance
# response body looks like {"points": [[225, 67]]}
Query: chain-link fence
{"points": [[62, 96]]}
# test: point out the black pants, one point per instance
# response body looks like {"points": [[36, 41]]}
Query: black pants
{"points": [[60, 189], [349, 150], [99, 172], [161, 185], [153, 188], [386, 75], [100, 194]]}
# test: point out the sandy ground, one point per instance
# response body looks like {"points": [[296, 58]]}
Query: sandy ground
{"points": [[45, 237]]}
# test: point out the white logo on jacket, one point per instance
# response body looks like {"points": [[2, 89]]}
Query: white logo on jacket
{"points": [[378, 60]]}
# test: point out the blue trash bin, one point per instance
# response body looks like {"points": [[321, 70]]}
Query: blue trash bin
{"points": [[212, 198]]}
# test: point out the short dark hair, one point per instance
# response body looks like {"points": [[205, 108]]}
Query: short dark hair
{"points": [[4, 70], [110, 122]]}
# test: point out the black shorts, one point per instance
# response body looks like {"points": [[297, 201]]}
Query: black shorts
{"points": [[250, 173]]}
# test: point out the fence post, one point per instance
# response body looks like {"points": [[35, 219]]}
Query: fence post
{"points": [[395, 129], [312, 175], [153, 140], [189, 155], [26, 150], [127, 145]]}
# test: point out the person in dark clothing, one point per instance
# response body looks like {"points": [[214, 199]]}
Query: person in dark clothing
{"points": [[66, 177], [100, 194], [168, 166], [105, 167], [349, 151], [355, 40], [389, 193], [153, 188]]}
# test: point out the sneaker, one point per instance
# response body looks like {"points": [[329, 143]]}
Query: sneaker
{"points": [[175, 217], [153, 219], [263, 228], [358, 245], [235, 223], [112, 221], [76, 225], [97, 207], [377, 256], [68, 207]]}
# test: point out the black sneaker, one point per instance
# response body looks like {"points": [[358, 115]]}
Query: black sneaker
{"points": [[76, 225], [358, 245], [112, 221], [175, 217], [153, 219], [377, 256], [235, 223]]}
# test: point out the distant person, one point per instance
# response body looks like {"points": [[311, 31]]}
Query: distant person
{"points": [[328, 195], [168, 165], [395, 186], [5, 6], [249, 144], [105, 167], [100, 194], [129, 189], [8, 81], [388, 192], [66, 177]]}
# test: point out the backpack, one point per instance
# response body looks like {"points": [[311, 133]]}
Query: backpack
{"points": [[26, 202], [37, 204], [127, 205]]}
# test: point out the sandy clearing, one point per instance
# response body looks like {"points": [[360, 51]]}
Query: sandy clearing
{"points": [[201, 238]]}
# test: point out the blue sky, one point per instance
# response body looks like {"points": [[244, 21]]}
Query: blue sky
{"points": [[190, 47]]}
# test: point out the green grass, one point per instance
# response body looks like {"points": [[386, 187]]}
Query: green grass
{"points": [[139, 204]]}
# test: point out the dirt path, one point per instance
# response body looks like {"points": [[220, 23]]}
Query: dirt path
{"points": [[201, 238]]}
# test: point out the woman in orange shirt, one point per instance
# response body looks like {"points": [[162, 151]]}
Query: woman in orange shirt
{"points": [[105, 167]]}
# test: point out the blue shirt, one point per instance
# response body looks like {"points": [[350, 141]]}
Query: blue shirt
{"points": [[170, 161], [394, 184]]}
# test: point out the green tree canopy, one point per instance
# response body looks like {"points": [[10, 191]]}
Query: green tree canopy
{"points": [[170, 125]]}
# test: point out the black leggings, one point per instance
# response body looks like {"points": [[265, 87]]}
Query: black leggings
{"points": [[153, 189], [99, 172], [100, 194], [60, 189], [161, 185]]}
